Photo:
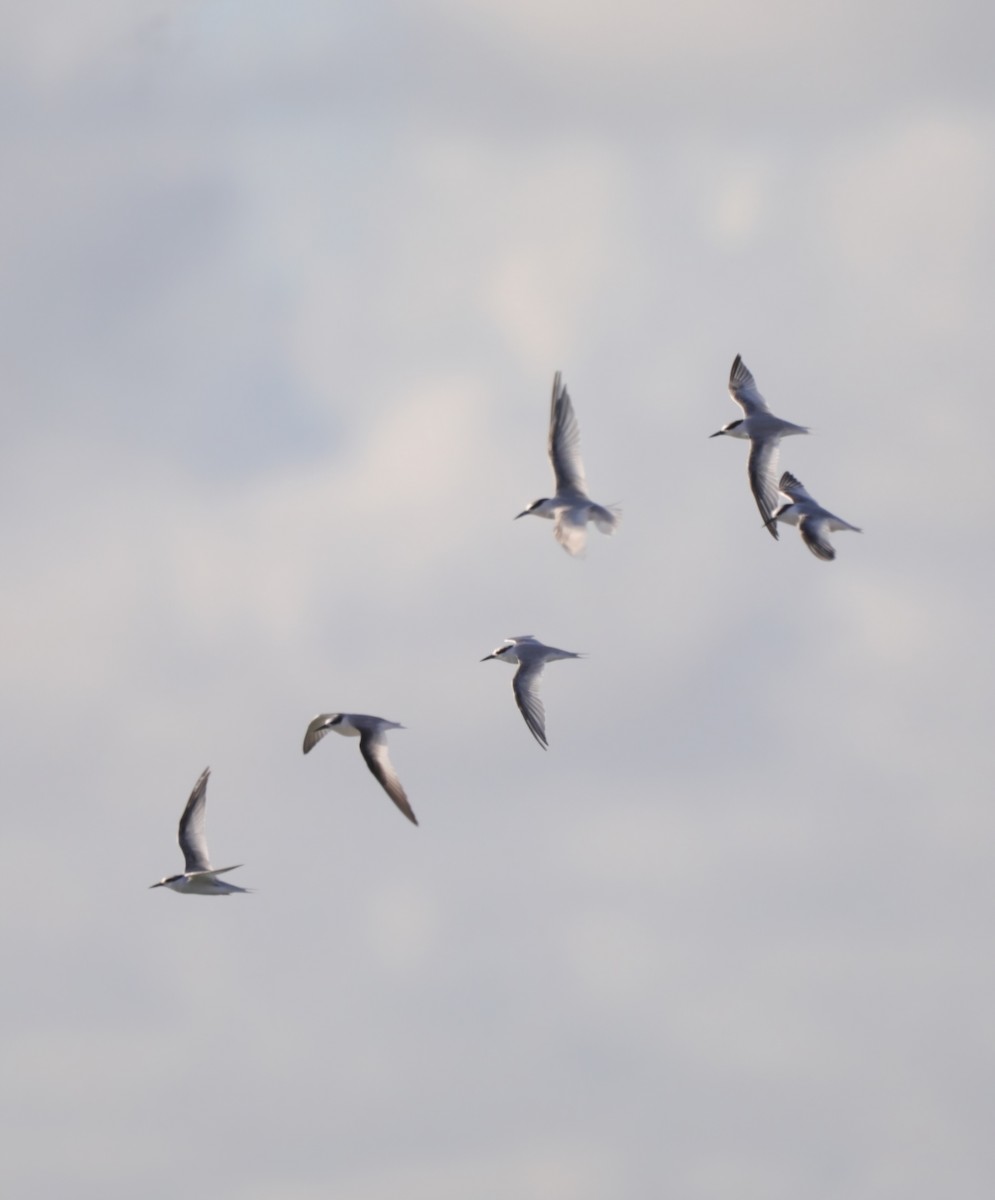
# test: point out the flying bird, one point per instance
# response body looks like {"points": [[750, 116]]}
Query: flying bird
{"points": [[765, 431], [531, 656], [199, 878], [571, 508], [814, 522], [372, 734]]}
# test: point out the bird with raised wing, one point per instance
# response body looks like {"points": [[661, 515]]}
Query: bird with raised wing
{"points": [[372, 734], [570, 508], [199, 877], [531, 657], [764, 431], [814, 522]]}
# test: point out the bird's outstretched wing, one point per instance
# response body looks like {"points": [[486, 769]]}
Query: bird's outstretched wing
{"points": [[606, 519], [743, 388], [570, 530], [317, 730], [761, 467], [373, 746], [564, 442], [814, 529], [794, 488], [526, 688], [193, 836]]}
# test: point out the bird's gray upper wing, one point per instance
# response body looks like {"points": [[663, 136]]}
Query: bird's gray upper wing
{"points": [[743, 388], [317, 730], [564, 442], [762, 468], [814, 528], [794, 488], [526, 689], [373, 746], [193, 836]]}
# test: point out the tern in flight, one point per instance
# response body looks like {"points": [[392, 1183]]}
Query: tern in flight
{"points": [[199, 878], [571, 508], [372, 734], [531, 657], [814, 522], [765, 431]]}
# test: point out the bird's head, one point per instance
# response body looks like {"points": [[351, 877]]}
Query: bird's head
{"points": [[538, 507], [730, 428], [505, 652]]}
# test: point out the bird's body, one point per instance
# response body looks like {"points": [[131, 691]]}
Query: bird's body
{"points": [[764, 432], [571, 508], [814, 522], [531, 657], [199, 878], [201, 883], [372, 734]]}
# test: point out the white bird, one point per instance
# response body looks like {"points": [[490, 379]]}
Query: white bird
{"points": [[571, 508], [814, 522], [531, 656], [765, 431], [372, 734], [199, 878]]}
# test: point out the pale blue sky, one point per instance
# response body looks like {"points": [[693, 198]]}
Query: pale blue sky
{"points": [[284, 290]]}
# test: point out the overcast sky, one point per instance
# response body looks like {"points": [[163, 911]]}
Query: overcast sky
{"points": [[284, 288]]}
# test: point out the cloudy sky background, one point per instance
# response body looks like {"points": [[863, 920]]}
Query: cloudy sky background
{"points": [[283, 291]]}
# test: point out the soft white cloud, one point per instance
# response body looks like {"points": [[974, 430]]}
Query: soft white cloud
{"points": [[907, 207], [747, 38], [52, 44]]}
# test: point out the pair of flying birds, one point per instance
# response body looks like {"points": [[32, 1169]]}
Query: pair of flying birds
{"points": [[199, 878], [571, 509], [787, 500]]}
